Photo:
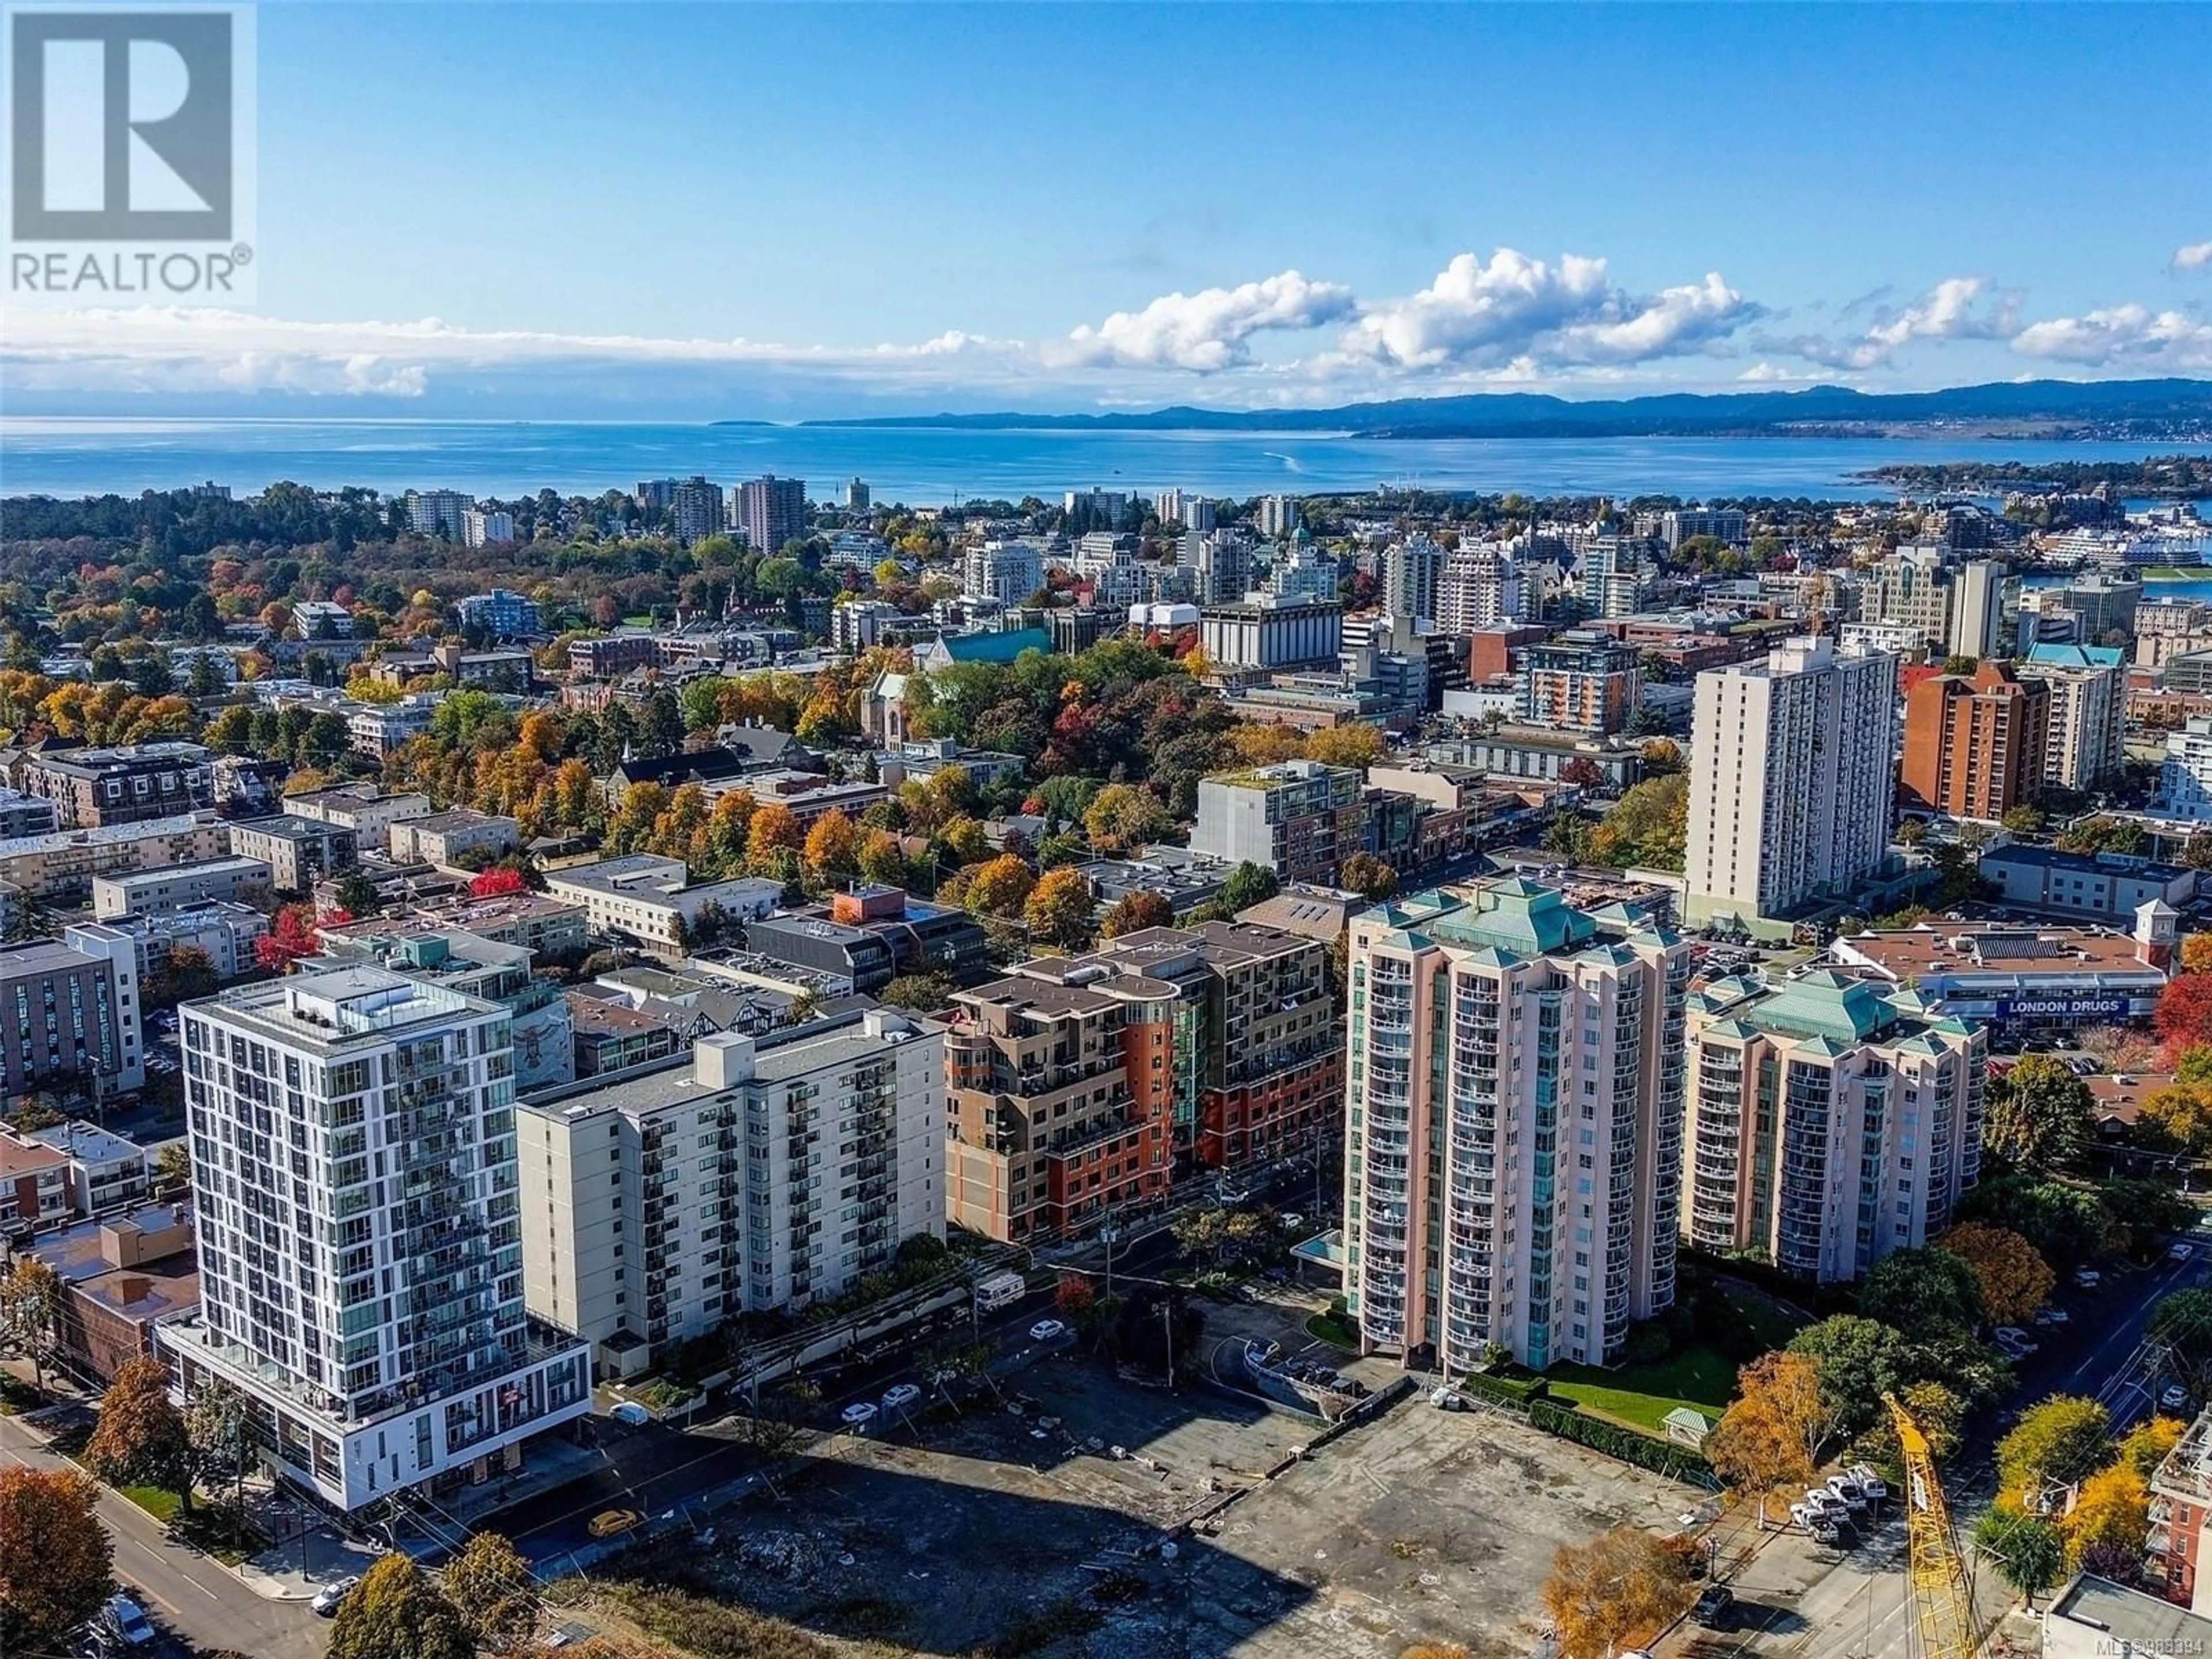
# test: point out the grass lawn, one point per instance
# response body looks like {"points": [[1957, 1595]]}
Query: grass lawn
{"points": [[1332, 1332], [159, 1504], [1698, 1376]]}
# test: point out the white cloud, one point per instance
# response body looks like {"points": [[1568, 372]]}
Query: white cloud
{"points": [[1515, 309], [2129, 334], [2197, 256], [180, 349], [1952, 310], [1207, 331]]}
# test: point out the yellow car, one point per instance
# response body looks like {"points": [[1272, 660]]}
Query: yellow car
{"points": [[609, 1522]]}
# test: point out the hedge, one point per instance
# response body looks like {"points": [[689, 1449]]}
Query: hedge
{"points": [[1515, 1391], [1660, 1456]]}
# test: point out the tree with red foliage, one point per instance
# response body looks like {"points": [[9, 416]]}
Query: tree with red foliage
{"points": [[289, 938], [497, 882], [2184, 1019], [1073, 1296]]}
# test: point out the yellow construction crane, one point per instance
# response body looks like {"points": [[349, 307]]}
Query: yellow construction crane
{"points": [[1943, 1602]]}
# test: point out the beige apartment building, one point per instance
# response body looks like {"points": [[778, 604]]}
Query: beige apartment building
{"points": [[1829, 1124]]}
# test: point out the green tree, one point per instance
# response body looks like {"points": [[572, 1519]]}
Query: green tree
{"points": [[357, 895], [1859, 1360], [2040, 1116], [1648, 827], [2030, 1552], [2182, 1324], [398, 1612], [923, 993], [490, 1587], [1248, 884], [141, 1439], [1922, 1292]]}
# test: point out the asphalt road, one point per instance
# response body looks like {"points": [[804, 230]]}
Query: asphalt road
{"points": [[1797, 1600], [185, 1594]]}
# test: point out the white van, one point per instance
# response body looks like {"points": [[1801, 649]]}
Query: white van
{"points": [[999, 1290]]}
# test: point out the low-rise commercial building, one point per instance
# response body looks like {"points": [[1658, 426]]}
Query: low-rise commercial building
{"points": [[1828, 1124], [106, 1172], [612, 1037], [760, 1174], [2102, 887], [2018, 978], [35, 1184], [121, 1278]]}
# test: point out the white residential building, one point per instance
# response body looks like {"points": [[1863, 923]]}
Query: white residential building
{"points": [[1004, 572], [481, 527], [2088, 718], [1480, 587], [1514, 1130], [1829, 1124], [1412, 572], [1793, 775], [653, 901], [1278, 515], [359, 1218], [754, 1175], [2185, 780], [439, 513], [1302, 571]]}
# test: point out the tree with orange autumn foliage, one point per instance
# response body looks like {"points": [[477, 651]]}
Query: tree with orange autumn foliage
{"points": [[1770, 1437], [1610, 1595]]}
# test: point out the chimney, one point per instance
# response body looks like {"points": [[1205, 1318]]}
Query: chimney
{"points": [[722, 1060]]}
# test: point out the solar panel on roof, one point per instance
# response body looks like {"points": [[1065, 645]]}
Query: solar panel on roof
{"points": [[1996, 947]]}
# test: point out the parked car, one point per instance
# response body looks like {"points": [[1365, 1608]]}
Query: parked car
{"points": [[1871, 1484], [1045, 1330], [1825, 1502], [613, 1523], [2175, 1398], [2087, 1278], [1849, 1490], [2014, 1341], [128, 1619], [2180, 1250], [1714, 1607], [2048, 1316], [327, 1599], [900, 1395]]}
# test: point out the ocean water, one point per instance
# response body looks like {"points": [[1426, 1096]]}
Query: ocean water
{"points": [[922, 466]]}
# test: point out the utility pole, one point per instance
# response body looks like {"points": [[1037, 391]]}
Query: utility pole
{"points": [[1167, 1323]]}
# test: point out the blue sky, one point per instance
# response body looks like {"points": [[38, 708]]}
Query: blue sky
{"points": [[735, 210]]}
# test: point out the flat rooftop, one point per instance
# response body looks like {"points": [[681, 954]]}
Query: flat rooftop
{"points": [[2149, 1623], [2106, 864], [339, 1007], [1968, 950]]}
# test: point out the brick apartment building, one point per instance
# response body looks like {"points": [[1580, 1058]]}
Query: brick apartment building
{"points": [[1077, 1086], [1973, 747]]}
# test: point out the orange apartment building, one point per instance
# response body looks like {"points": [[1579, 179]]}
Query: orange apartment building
{"points": [[1973, 746], [2180, 1503], [1080, 1085]]}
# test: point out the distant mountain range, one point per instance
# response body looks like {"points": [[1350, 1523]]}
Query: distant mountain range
{"points": [[2171, 405]]}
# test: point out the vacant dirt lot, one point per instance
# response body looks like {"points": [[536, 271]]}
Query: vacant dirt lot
{"points": [[1018, 1529]]}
